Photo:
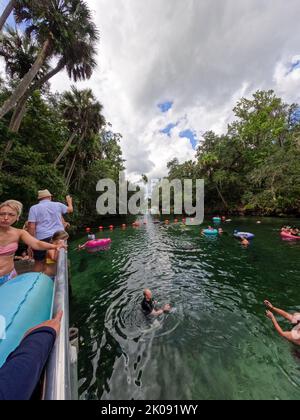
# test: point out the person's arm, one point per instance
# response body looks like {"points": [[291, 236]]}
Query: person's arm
{"points": [[37, 245], [69, 200], [53, 254], [158, 312], [32, 228], [280, 312], [286, 335], [23, 368], [21, 373]]}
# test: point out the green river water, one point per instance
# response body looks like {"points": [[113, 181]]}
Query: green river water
{"points": [[216, 343]]}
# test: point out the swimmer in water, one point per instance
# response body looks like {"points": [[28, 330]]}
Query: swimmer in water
{"points": [[148, 305]]}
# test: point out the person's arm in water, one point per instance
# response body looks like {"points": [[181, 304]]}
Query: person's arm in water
{"points": [[286, 335], [158, 312], [23, 368], [278, 311]]}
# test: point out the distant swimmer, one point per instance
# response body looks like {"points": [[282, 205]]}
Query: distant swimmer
{"points": [[244, 241], [148, 305], [292, 336]]}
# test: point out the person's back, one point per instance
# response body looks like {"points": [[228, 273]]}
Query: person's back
{"points": [[147, 306], [48, 218], [44, 220]]}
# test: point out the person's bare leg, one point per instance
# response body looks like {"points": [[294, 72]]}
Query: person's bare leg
{"points": [[38, 266], [279, 312]]}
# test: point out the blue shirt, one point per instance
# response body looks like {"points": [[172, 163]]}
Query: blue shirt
{"points": [[47, 216], [20, 374]]}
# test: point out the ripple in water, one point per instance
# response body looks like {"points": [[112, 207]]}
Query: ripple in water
{"points": [[215, 344]]}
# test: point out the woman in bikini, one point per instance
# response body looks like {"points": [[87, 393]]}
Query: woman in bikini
{"points": [[10, 211]]}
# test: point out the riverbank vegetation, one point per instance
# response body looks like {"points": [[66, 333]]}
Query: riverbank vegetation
{"points": [[61, 142], [255, 167]]}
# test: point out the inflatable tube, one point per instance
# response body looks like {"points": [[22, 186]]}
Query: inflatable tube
{"points": [[25, 302], [217, 220], [247, 235], [98, 243], [209, 232], [286, 235]]}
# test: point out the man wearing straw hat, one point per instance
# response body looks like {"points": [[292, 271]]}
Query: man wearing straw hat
{"points": [[44, 220]]}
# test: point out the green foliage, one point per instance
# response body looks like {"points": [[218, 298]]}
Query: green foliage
{"points": [[255, 167], [29, 166]]}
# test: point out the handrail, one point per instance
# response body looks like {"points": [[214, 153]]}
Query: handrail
{"points": [[57, 385]]}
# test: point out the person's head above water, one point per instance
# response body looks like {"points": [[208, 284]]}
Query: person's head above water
{"points": [[148, 294]]}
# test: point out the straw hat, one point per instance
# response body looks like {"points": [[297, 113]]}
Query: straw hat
{"points": [[44, 194]]}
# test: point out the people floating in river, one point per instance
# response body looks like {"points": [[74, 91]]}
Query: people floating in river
{"points": [[292, 336], [244, 241], [148, 305], [290, 231]]}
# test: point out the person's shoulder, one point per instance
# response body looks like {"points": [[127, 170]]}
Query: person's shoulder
{"points": [[17, 233], [34, 207], [58, 204]]}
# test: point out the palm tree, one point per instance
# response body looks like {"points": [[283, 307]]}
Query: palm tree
{"points": [[77, 55], [6, 13], [79, 61], [83, 114], [56, 25], [19, 53]]}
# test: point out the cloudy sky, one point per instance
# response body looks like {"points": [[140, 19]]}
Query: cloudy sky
{"points": [[169, 70]]}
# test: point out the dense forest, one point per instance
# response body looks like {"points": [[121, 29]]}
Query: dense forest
{"points": [[59, 142], [62, 142], [255, 167]]}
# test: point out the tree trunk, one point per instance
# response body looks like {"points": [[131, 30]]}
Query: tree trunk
{"points": [[20, 110], [18, 114], [221, 196], [65, 149], [26, 81], [7, 11], [71, 171], [6, 150]]}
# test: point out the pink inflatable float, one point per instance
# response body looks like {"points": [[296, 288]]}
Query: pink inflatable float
{"points": [[98, 243], [286, 235]]}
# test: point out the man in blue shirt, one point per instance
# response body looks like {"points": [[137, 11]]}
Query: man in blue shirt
{"points": [[45, 219]]}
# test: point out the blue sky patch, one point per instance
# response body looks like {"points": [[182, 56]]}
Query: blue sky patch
{"points": [[10, 21], [168, 129], [295, 119], [165, 106], [294, 66], [191, 135]]}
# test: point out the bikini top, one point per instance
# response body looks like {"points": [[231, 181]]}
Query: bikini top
{"points": [[9, 250]]}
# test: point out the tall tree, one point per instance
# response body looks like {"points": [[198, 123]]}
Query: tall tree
{"points": [[79, 61], [83, 115], [56, 24]]}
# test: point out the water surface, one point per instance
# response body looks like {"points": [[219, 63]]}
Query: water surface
{"points": [[216, 343]]}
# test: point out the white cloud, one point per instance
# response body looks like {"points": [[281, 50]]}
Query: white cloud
{"points": [[287, 79], [201, 54]]}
